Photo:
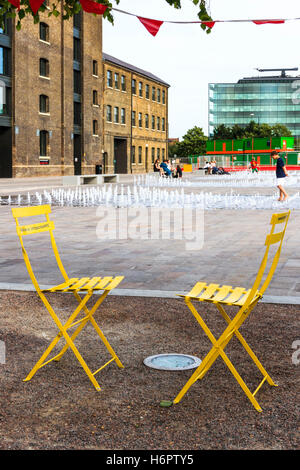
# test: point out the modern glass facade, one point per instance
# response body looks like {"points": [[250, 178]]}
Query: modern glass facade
{"points": [[273, 100]]}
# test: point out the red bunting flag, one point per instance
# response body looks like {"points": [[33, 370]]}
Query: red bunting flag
{"points": [[209, 24], [35, 5], [92, 7], [151, 25], [268, 21], [15, 3]]}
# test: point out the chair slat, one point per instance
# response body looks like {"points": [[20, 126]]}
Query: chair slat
{"points": [[222, 293], [31, 211], [195, 292], [279, 218], [35, 228], [114, 283], [79, 284], [235, 295], [209, 291], [274, 238], [91, 284], [64, 285]]}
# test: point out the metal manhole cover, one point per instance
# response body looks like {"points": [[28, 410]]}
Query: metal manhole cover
{"points": [[172, 361]]}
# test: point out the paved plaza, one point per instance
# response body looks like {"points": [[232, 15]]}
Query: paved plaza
{"points": [[231, 254]]}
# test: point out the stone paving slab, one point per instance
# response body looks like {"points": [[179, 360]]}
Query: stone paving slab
{"points": [[233, 248]]}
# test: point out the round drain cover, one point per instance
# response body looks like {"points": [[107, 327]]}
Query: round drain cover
{"points": [[172, 361]]}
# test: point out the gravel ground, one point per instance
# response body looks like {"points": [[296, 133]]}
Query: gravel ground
{"points": [[60, 409]]}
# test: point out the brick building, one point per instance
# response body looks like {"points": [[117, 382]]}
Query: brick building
{"points": [[135, 129], [51, 123]]}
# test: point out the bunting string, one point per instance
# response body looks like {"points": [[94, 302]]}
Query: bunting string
{"points": [[150, 24]]}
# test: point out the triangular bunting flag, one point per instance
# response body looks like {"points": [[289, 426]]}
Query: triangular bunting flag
{"points": [[268, 21], [151, 25], [209, 24], [35, 5], [15, 3], [92, 7]]}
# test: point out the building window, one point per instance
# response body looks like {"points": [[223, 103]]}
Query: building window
{"points": [[123, 83], [147, 92], [140, 89], [163, 96], [77, 82], [163, 124], [95, 98], [77, 20], [109, 78], [153, 122], [77, 113], [133, 86], [117, 81], [147, 121], [140, 120], [158, 153], [153, 93], [123, 116], [108, 113], [4, 61], [140, 154], [44, 143], [6, 27], [117, 86], [133, 154], [95, 127], [76, 49], [158, 123], [44, 68], [133, 118], [152, 154], [116, 114], [158, 95], [44, 32], [163, 153], [95, 68], [44, 104]]}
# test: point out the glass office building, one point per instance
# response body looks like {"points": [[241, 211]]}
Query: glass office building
{"points": [[270, 100]]}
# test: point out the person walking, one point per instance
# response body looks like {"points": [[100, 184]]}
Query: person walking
{"points": [[281, 174]]}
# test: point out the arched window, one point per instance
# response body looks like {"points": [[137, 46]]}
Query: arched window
{"points": [[44, 32], [44, 104]]}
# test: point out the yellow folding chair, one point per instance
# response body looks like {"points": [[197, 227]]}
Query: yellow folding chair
{"points": [[84, 285], [246, 300]]}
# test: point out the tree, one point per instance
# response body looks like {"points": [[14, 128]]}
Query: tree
{"points": [[71, 7], [280, 130], [193, 143], [222, 132], [252, 129]]}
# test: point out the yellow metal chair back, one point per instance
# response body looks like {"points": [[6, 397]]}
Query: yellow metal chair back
{"points": [[85, 285], [246, 300], [30, 229]]}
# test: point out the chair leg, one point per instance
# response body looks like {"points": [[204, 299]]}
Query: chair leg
{"points": [[218, 350], [248, 349], [90, 318]]}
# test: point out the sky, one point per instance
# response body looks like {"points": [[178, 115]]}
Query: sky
{"points": [[189, 59]]}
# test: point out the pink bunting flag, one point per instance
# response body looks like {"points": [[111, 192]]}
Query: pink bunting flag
{"points": [[151, 25], [15, 3], [268, 21], [92, 7], [35, 5]]}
